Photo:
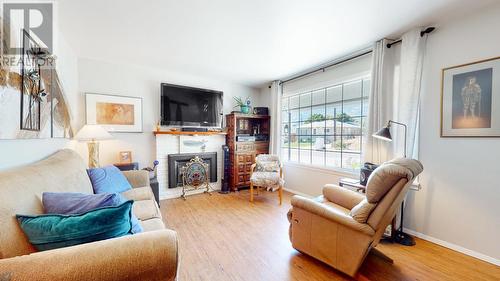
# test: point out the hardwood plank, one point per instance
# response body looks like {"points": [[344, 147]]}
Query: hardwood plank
{"points": [[225, 237]]}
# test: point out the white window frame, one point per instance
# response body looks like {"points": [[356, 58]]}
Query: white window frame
{"points": [[325, 167]]}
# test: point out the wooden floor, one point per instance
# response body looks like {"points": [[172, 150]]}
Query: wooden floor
{"points": [[225, 237]]}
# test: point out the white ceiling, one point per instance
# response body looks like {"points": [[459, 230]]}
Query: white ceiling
{"points": [[249, 42]]}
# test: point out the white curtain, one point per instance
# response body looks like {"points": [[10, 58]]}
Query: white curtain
{"points": [[380, 104], [395, 95], [275, 111], [408, 96]]}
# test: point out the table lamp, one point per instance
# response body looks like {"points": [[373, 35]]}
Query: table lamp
{"points": [[93, 133], [385, 134]]}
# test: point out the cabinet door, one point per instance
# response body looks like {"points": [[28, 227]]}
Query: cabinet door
{"points": [[241, 167], [249, 158]]}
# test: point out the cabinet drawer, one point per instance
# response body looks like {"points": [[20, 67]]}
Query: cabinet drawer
{"points": [[241, 147], [241, 158]]}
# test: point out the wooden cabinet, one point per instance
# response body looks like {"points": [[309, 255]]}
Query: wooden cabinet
{"points": [[242, 153]]}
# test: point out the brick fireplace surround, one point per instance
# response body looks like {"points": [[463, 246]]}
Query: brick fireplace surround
{"points": [[175, 144]]}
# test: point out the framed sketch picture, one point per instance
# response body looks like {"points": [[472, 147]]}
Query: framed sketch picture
{"points": [[470, 99], [125, 157], [115, 113]]}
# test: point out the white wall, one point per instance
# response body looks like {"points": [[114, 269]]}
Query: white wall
{"points": [[459, 202], [131, 80]]}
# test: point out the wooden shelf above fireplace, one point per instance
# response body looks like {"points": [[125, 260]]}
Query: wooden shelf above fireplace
{"points": [[181, 133]]}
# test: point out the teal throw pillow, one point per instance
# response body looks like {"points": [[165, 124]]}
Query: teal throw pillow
{"points": [[51, 231]]}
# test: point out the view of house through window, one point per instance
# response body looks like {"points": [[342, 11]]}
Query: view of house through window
{"points": [[326, 127]]}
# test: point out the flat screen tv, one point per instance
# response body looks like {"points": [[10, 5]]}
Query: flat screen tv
{"points": [[190, 107]]}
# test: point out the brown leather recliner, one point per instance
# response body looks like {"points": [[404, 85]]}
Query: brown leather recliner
{"points": [[342, 226]]}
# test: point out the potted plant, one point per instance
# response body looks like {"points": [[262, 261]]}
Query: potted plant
{"points": [[244, 105]]}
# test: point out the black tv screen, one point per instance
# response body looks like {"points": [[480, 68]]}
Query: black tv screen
{"points": [[190, 107]]}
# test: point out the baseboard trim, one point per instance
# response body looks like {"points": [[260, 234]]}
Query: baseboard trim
{"points": [[454, 247], [297, 192]]}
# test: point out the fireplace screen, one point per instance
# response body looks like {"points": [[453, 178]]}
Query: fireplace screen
{"points": [[177, 161]]}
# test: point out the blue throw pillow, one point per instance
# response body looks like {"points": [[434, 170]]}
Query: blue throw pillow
{"points": [[108, 179], [51, 231], [69, 203]]}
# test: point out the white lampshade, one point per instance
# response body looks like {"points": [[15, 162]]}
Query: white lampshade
{"points": [[93, 133]]}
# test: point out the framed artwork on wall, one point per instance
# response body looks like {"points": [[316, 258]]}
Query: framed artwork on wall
{"points": [[115, 113], [470, 99], [32, 101], [125, 157]]}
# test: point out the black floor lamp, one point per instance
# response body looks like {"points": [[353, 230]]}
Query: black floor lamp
{"points": [[385, 134]]}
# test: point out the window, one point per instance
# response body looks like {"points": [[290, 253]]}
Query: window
{"points": [[325, 127]]}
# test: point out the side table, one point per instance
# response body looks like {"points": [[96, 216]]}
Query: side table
{"points": [[343, 182], [127, 166]]}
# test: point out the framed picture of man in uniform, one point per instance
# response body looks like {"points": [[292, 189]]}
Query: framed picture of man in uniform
{"points": [[470, 99]]}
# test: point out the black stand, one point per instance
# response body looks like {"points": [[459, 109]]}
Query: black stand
{"points": [[401, 237]]}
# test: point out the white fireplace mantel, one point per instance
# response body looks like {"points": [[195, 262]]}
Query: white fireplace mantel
{"points": [[174, 144]]}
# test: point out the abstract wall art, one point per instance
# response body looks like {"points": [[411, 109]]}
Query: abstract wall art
{"points": [[32, 102], [115, 113]]}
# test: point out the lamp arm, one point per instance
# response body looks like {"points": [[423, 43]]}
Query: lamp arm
{"points": [[405, 127]]}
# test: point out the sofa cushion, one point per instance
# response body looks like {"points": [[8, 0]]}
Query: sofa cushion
{"points": [[67, 203], [267, 179], [362, 211], [21, 189], [70, 203], [152, 224], [51, 231], [139, 193], [146, 209], [108, 179]]}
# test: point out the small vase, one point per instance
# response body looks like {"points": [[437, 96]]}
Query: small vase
{"points": [[245, 109]]}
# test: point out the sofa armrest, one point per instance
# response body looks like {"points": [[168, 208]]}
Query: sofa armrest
{"points": [[137, 178], [144, 256], [342, 196], [330, 213]]}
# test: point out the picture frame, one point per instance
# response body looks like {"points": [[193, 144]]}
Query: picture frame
{"points": [[117, 114], [470, 99], [125, 157]]}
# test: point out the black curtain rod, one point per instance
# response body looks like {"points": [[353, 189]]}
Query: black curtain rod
{"points": [[422, 33], [325, 67]]}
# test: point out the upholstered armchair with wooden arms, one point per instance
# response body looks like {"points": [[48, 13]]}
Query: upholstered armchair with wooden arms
{"points": [[341, 227], [267, 171]]}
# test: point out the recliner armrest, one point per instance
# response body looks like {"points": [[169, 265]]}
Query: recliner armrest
{"points": [[342, 196], [144, 256], [330, 213]]}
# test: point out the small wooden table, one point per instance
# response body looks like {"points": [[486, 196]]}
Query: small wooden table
{"points": [[348, 182]]}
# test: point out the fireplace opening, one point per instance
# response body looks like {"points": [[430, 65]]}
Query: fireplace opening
{"points": [[177, 161]]}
